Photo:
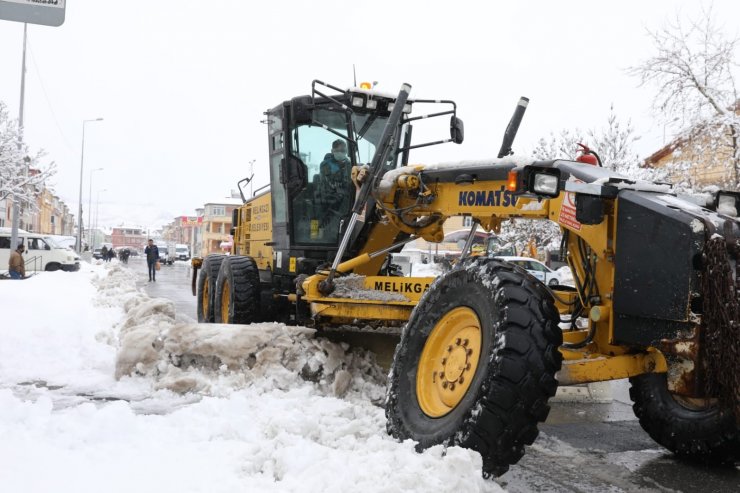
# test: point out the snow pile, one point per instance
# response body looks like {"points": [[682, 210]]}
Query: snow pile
{"points": [[353, 286], [212, 359], [48, 336], [566, 276], [254, 408], [420, 269]]}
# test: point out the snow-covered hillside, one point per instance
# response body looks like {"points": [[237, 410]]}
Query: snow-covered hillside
{"points": [[101, 390]]}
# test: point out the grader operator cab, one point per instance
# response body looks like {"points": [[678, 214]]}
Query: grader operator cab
{"points": [[484, 346]]}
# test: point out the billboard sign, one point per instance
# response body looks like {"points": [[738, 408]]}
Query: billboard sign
{"points": [[190, 221], [43, 12]]}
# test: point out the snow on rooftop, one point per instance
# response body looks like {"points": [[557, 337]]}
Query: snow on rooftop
{"points": [[8, 231], [225, 201], [196, 407]]}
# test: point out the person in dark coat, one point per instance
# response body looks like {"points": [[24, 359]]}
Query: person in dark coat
{"points": [[152, 257], [334, 190]]}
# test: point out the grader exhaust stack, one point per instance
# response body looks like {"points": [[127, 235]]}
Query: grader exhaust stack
{"points": [[513, 127]]}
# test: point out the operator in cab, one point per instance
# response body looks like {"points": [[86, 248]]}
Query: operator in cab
{"points": [[334, 183]]}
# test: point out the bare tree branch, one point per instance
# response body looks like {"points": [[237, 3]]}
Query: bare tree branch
{"points": [[21, 175], [692, 71]]}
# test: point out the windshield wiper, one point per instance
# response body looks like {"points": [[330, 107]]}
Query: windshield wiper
{"points": [[367, 126]]}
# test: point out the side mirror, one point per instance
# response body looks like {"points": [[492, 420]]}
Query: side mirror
{"points": [[457, 130], [301, 109], [293, 174]]}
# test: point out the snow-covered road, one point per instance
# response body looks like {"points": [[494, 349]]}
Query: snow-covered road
{"points": [[265, 408]]}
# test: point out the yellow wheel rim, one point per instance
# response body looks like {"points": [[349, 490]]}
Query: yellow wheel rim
{"points": [[225, 300], [206, 298], [448, 362]]}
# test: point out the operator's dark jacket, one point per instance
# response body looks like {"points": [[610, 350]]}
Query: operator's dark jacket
{"points": [[333, 185], [152, 254]]}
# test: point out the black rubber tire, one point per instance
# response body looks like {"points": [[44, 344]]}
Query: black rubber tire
{"points": [[208, 273], [243, 277], [707, 435], [552, 283], [52, 267], [515, 377]]}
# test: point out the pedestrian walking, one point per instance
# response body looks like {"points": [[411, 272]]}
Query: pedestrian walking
{"points": [[16, 265], [104, 253], [111, 254], [152, 257]]}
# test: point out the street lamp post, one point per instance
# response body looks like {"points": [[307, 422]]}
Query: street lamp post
{"points": [[97, 207], [82, 162], [89, 205]]}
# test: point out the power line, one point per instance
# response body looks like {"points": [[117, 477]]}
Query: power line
{"points": [[48, 101]]}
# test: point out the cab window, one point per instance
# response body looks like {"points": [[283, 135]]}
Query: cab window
{"points": [[535, 266], [329, 193], [37, 244]]}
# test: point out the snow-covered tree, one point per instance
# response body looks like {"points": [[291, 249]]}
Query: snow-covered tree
{"points": [[561, 145], [692, 69], [21, 175], [613, 142]]}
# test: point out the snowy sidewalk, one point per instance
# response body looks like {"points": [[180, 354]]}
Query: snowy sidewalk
{"points": [[258, 410]]}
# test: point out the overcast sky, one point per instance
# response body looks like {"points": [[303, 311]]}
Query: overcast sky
{"points": [[182, 84]]}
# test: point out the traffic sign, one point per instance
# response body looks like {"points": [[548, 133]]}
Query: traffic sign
{"points": [[44, 12]]}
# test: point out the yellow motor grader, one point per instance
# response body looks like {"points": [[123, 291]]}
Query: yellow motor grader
{"points": [[484, 346]]}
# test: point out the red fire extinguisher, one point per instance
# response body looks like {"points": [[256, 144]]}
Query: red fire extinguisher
{"points": [[588, 156]]}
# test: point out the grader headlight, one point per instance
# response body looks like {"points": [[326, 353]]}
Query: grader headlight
{"points": [[727, 203], [542, 181], [545, 184]]}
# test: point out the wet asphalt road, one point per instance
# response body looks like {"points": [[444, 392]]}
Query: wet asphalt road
{"points": [[591, 441], [173, 283]]}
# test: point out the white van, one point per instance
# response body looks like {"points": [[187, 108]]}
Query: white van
{"points": [[42, 252], [182, 252]]}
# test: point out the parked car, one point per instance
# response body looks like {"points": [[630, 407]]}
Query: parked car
{"points": [[42, 252], [536, 268]]}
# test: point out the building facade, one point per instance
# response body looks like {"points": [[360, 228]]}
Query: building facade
{"points": [[128, 237], [701, 157], [184, 230], [51, 215], [216, 226]]}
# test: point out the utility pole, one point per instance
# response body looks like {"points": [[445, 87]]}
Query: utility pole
{"points": [[82, 163], [16, 201], [89, 206]]}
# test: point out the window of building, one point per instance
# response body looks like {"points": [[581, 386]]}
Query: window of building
{"points": [[218, 210], [467, 221]]}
